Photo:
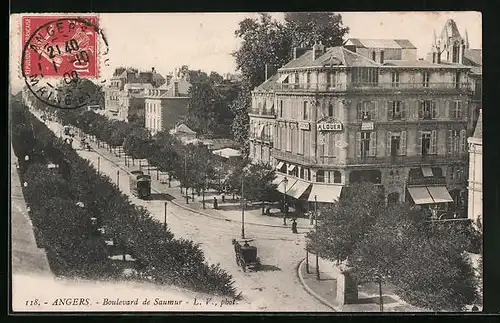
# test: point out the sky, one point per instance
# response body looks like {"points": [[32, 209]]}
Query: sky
{"points": [[205, 40]]}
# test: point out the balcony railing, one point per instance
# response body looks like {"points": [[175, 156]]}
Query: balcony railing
{"points": [[269, 112], [403, 160], [427, 181], [324, 87], [264, 138], [288, 156]]}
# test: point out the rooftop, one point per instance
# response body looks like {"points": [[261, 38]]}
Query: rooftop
{"points": [[380, 43], [474, 56], [336, 56], [421, 63]]}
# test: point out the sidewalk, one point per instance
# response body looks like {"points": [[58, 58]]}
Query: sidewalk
{"points": [[228, 211], [26, 256], [325, 290]]}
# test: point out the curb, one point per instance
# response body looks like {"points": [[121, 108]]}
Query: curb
{"points": [[197, 211], [313, 293]]}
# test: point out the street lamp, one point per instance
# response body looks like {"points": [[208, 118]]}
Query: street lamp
{"points": [[285, 181], [118, 179], [165, 220], [316, 229]]}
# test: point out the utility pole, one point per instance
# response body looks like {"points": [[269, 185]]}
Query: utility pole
{"points": [[316, 229], [242, 209], [165, 221], [118, 179], [203, 194], [98, 164], [185, 179]]}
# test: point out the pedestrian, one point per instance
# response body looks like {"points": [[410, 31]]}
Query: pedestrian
{"points": [[216, 206], [294, 226], [223, 197]]}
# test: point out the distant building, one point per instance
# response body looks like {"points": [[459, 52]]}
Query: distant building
{"points": [[183, 133], [475, 187], [124, 97], [167, 104]]}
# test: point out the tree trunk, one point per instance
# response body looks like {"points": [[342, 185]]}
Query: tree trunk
{"points": [[381, 298]]}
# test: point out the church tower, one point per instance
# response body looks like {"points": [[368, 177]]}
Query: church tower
{"points": [[451, 44]]}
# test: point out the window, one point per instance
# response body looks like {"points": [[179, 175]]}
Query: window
{"points": [[331, 79], [396, 143], [426, 78], [301, 142], [396, 111], [289, 139], [381, 56], [427, 110], [301, 173], [281, 108], [308, 79], [455, 172], [453, 141], [304, 111], [455, 53], [366, 143], [374, 55], [367, 110], [337, 177], [456, 110], [364, 76], [427, 143], [297, 78], [320, 176], [395, 79], [330, 110], [456, 79]]}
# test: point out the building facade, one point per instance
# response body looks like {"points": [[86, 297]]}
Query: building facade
{"points": [[475, 187], [124, 96], [331, 117], [166, 105]]}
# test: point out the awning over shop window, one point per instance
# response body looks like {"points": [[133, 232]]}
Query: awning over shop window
{"points": [[325, 193], [280, 164], [298, 189], [427, 172], [289, 185], [278, 179], [420, 195], [282, 78], [440, 194], [291, 168]]}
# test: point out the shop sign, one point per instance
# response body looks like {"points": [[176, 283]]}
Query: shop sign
{"points": [[304, 125], [367, 126], [329, 126]]}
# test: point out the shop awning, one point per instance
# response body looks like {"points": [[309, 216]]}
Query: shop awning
{"points": [[280, 164], [291, 168], [427, 172], [278, 179], [420, 195], [325, 193], [298, 189], [289, 185], [440, 194]]}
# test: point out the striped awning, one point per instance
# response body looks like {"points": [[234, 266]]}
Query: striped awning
{"points": [[439, 194], [427, 172], [420, 195], [289, 185], [280, 164]]}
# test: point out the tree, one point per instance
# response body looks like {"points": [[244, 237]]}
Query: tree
{"points": [[306, 28], [345, 223], [201, 110], [83, 88], [137, 143], [241, 121], [258, 184]]}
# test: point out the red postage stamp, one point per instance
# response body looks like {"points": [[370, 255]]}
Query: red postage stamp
{"points": [[60, 46]]}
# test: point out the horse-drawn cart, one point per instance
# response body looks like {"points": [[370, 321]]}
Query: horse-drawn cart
{"points": [[246, 255]]}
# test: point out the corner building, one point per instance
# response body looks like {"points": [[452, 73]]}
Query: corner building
{"points": [[332, 117]]}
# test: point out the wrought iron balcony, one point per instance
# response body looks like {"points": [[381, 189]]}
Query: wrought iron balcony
{"points": [[427, 181], [405, 160], [326, 87], [288, 156], [266, 112]]}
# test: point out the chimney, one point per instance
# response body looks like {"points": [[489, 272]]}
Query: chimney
{"points": [[270, 70], [438, 52], [318, 50], [168, 79], [298, 51], [153, 70]]}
